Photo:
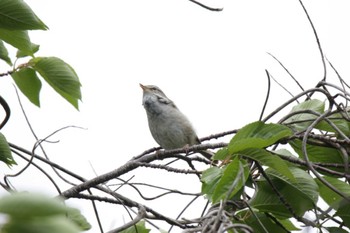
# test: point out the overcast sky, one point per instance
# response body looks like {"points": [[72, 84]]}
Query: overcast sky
{"points": [[211, 64]]}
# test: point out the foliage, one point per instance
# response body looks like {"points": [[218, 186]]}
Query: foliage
{"points": [[271, 175], [37, 213], [287, 184], [28, 212], [16, 18], [5, 152]]}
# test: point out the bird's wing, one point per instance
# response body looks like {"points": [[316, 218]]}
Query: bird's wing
{"points": [[164, 100]]}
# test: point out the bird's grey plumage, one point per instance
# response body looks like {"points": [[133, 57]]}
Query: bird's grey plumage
{"points": [[169, 127]]}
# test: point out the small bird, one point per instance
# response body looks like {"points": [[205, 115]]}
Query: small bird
{"points": [[169, 127]]}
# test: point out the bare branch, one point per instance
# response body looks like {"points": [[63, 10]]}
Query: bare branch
{"points": [[205, 6], [317, 41]]}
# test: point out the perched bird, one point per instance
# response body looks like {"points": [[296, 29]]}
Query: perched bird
{"points": [[168, 125]]}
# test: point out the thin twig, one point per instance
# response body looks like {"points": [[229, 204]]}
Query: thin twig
{"points": [[205, 6], [267, 95], [290, 74], [317, 41]]}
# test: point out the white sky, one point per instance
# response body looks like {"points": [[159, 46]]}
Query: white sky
{"points": [[210, 63]]}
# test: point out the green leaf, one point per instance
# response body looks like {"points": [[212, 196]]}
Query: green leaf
{"points": [[284, 152], [301, 121], [60, 76], [52, 224], [261, 223], [75, 216], [256, 135], [222, 153], [4, 55], [210, 179], [19, 40], [344, 213], [23, 53], [216, 182], [268, 159], [303, 182], [336, 230], [141, 228], [27, 205], [330, 197], [337, 119], [301, 194], [319, 154], [287, 224], [233, 178], [29, 84], [17, 15], [5, 151], [38, 213]]}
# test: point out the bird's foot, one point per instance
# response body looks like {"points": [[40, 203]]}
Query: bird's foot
{"points": [[186, 148]]}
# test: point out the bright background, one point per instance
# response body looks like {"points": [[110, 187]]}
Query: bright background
{"points": [[212, 64]]}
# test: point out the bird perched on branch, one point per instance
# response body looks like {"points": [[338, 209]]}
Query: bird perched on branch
{"points": [[169, 127]]}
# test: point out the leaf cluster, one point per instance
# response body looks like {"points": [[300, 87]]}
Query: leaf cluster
{"points": [[35, 213], [277, 185], [16, 19]]}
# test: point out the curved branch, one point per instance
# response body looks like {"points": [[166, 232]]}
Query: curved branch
{"points": [[7, 109], [267, 94], [306, 157], [312, 90]]}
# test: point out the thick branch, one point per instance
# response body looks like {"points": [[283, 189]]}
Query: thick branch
{"points": [[133, 164]]}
